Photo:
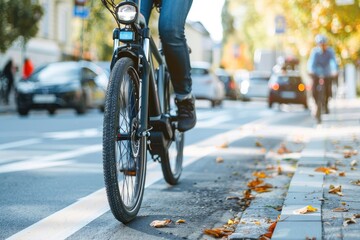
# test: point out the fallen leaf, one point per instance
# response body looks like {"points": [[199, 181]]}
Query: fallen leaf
{"points": [[218, 232], [304, 210], [353, 163], [255, 182], [357, 182], [335, 190], [342, 174], [180, 221], [349, 153], [160, 223], [263, 188], [340, 209], [219, 160], [357, 215], [258, 144], [257, 223], [348, 221], [283, 149], [260, 174], [224, 145], [247, 194], [325, 170]]}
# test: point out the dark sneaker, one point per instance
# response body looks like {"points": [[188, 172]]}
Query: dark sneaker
{"points": [[327, 110], [128, 167], [186, 114]]}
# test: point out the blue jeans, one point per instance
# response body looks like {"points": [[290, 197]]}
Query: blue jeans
{"points": [[172, 20]]}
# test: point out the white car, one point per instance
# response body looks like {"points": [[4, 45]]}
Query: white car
{"points": [[254, 85], [205, 84]]}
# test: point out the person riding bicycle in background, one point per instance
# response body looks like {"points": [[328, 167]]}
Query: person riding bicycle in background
{"points": [[172, 21], [322, 64]]}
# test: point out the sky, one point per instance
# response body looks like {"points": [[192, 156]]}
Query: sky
{"points": [[208, 12]]}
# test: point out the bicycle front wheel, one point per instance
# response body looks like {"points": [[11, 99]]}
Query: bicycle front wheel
{"points": [[172, 158], [124, 153]]}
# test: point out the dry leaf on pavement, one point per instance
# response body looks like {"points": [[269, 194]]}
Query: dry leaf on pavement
{"points": [[340, 209], [219, 160], [283, 149], [325, 170], [335, 190], [218, 232], [263, 188], [357, 182], [160, 223], [353, 163], [348, 221], [255, 182], [180, 221], [304, 210], [258, 144], [341, 174], [260, 174]]}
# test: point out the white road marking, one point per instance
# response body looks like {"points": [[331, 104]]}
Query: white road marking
{"points": [[20, 143], [50, 160]]}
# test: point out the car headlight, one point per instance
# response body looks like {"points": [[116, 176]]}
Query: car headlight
{"points": [[244, 88], [25, 88], [126, 12]]}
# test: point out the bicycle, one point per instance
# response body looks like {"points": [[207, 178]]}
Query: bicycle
{"points": [[320, 99], [138, 116]]}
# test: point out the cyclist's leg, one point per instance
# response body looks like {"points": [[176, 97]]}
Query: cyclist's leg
{"points": [[172, 33], [314, 88], [145, 9], [328, 93]]}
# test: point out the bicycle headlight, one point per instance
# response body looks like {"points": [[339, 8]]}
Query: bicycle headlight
{"points": [[126, 12]]}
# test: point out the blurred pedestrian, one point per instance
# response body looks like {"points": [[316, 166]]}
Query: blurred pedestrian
{"points": [[322, 64], [28, 68], [9, 73]]}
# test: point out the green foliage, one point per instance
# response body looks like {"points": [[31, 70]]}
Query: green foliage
{"points": [[304, 19], [18, 18]]}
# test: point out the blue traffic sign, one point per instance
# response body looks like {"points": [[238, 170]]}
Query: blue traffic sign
{"points": [[280, 24], [81, 11]]}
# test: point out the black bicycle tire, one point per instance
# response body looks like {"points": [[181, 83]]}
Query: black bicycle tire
{"points": [[119, 208], [171, 165], [319, 103]]}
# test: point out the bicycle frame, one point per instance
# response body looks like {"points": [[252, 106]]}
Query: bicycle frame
{"points": [[144, 52]]}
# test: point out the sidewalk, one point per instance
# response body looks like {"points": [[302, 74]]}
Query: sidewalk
{"points": [[11, 107], [333, 190]]}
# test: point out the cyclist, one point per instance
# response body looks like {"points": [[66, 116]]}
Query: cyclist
{"points": [[322, 64], [172, 20]]}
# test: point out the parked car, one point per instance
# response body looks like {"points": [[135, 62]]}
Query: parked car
{"points": [[232, 90], [254, 84], [78, 85], [205, 84], [287, 88]]}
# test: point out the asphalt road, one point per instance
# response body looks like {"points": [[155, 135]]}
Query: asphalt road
{"points": [[52, 183]]}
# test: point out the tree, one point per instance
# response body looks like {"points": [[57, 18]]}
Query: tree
{"points": [[304, 19], [18, 18]]}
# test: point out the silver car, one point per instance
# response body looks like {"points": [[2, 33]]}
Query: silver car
{"points": [[205, 84], [254, 84]]}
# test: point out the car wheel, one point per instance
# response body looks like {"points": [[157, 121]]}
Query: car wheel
{"points": [[51, 111], [81, 108], [23, 111]]}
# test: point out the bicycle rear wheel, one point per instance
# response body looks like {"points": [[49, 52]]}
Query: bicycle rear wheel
{"points": [[172, 158], [320, 103], [124, 153]]}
